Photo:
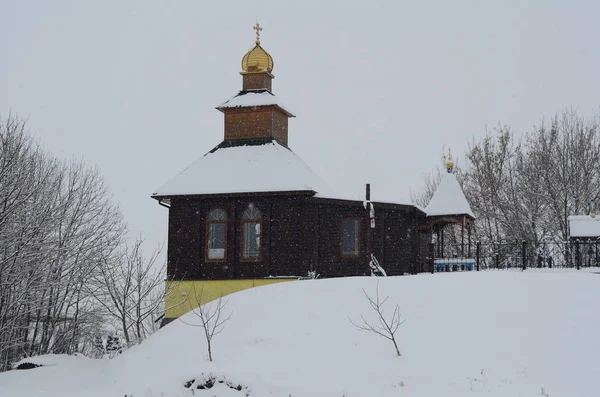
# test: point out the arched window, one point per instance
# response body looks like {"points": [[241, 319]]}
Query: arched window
{"points": [[216, 236], [251, 233]]}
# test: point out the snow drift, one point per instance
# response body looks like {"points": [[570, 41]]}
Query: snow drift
{"points": [[466, 334]]}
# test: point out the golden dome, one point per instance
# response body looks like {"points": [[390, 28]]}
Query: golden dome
{"points": [[257, 59]]}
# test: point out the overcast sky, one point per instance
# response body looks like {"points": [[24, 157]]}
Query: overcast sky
{"points": [[378, 88]]}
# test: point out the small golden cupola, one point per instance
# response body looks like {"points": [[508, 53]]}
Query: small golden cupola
{"points": [[257, 66], [449, 163]]}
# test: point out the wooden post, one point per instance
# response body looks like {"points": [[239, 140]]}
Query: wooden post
{"points": [[437, 240], [432, 257], [469, 240], [442, 242], [524, 254], [478, 253], [577, 255], [236, 241], [369, 234], [462, 238]]}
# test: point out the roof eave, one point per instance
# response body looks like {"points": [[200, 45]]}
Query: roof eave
{"points": [[471, 217], [309, 193], [222, 108]]}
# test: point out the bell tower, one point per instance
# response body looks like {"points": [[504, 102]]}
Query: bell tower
{"points": [[255, 112]]}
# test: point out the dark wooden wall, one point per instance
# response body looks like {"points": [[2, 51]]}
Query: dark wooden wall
{"points": [[299, 234]]}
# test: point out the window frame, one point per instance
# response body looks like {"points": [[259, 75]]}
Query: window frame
{"points": [[358, 237], [210, 222], [242, 236]]}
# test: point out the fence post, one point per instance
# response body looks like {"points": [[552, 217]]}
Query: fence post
{"points": [[497, 260], [432, 257], [577, 255], [478, 253], [524, 254]]}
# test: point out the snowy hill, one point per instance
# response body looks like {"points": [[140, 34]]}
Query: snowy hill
{"points": [[493, 334]]}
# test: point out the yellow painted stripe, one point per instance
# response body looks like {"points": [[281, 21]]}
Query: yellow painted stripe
{"points": [[183, 296]]}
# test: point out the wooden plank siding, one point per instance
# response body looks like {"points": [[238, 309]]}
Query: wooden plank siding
{"points": [[299, 234], [256, 122], [184, 236]]}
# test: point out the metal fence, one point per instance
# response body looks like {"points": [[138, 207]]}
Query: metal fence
{"points": [[517, 255]]}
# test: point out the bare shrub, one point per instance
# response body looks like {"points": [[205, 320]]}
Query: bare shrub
{"points": [[212, 318], [385, 327]]}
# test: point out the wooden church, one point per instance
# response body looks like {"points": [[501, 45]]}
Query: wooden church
{"points": [[250, 212]]}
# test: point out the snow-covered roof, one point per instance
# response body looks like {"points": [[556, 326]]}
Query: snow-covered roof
{"points": [[247, 168], [584, 226], [254, 98], [449, 199]]}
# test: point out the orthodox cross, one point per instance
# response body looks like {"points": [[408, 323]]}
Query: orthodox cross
{"points": [[258, 29]]}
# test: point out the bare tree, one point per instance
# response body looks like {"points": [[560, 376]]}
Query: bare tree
{"points": [[487, 182], [385, 327], [526, 188], [430, 183], [85, 227], [56, 223], [565, 158], [129, 287], [211, 316]]}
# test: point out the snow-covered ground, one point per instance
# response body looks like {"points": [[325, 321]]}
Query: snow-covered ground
{"points": [[493, 334]]}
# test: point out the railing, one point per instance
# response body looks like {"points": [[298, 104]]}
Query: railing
{"points": [[517, 255]]}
